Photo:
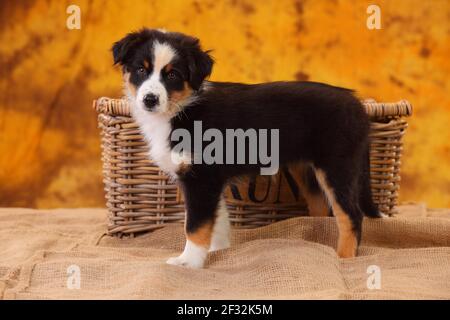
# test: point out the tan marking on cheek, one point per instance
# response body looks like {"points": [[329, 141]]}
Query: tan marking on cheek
{"points": [[177, 97], [181, 95], [128, 84], [202, 236], [347, 242], [146, 64]]}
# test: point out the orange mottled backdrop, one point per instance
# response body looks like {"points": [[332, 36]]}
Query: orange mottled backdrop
{"points": [[49, 144]]}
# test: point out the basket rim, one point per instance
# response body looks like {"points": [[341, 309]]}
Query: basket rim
{"points": [[402, 108]]}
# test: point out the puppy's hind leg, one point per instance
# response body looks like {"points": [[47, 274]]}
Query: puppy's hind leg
{"points": [[221, 231], [201, 199], [311, 191], [340, 188]]}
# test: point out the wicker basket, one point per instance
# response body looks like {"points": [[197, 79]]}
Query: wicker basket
{"points": [[140, 197]]}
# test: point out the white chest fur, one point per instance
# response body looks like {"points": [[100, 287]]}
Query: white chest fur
{"points": [[156, 129]]}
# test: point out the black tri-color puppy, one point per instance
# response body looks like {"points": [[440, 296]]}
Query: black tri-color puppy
{"points": [[322, 128]]}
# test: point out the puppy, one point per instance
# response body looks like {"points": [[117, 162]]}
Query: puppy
{"points": [[320, 127]]}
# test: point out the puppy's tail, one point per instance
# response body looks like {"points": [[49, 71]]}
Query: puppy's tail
{"points": [[365, 193]]}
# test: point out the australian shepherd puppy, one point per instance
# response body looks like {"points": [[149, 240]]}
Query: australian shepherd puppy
{"points": [[323, 129]]}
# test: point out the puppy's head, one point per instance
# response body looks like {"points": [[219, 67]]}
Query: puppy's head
{"points": [[162, 70]]}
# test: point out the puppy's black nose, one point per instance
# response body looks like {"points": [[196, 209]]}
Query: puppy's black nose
{"points": [[150, 100]]}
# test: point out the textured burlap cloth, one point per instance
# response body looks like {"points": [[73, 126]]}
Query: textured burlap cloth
{"points": [[43, 251]]}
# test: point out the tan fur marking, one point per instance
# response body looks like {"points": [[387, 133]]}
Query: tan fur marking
{"points": [[317, 204], [128, 84], [181, 95], [183, 168], [146, 64], [202, 236], [347, 243], [177, 97], [168, 67]]}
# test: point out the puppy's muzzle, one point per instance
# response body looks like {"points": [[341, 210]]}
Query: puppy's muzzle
{"points": [[150, 101]]}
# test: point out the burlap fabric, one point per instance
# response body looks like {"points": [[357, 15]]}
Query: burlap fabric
{"points": [[293, 259]]}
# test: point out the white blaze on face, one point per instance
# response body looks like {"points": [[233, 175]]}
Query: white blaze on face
{"points": [[163, 55], [155, 125]]}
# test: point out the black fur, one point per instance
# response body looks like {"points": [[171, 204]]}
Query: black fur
{"points": [[193, 65], [318, 124]]}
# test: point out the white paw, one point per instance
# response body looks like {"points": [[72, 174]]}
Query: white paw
{"points": [[183, 262], [193, 256]]}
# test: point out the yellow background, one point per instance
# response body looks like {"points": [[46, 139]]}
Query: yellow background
{"points": [[49, 144]]}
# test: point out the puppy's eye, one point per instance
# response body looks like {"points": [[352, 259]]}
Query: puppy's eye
{"points": [[172, 75], [142, 70]]}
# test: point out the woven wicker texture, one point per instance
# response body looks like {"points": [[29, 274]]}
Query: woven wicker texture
{"points": [[140, 197]]}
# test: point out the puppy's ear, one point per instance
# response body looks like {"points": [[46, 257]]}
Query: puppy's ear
{"points": [[121, 49], [200, 65]]}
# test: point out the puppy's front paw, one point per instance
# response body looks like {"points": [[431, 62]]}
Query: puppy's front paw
{"points": [[193, 256], [184, 262]]}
